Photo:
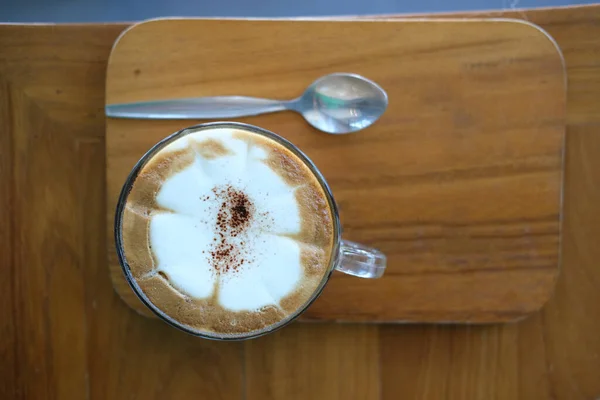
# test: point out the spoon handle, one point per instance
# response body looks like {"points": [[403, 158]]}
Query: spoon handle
{"points": [[196, 108]]}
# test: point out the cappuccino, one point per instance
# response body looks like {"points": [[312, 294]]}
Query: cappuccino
{"points": [[227, 232]]}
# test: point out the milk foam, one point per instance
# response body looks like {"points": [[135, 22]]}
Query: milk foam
{"points": [[183, 235]]}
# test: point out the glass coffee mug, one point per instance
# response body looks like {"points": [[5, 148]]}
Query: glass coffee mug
{"points": [[348, 257]]}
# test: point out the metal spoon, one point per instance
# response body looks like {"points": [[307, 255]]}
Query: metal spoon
{"points": [[336, 103]]}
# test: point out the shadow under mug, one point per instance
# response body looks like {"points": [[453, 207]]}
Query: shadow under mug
{"points": [[348, 257]]}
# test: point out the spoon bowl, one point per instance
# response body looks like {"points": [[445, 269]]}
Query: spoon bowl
{"points": [[341, 103]]}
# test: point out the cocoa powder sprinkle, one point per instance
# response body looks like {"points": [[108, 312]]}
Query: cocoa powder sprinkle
{"points": [[233, 219]]}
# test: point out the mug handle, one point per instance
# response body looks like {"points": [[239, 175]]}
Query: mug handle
{"points": [[362, 261]]}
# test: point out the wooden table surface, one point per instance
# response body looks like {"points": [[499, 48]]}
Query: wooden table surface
{"points": [[64, 333]]}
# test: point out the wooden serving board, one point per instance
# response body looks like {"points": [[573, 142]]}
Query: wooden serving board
{"points": [[459, 183]]}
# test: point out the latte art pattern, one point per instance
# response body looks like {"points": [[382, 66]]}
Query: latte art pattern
{"points": [[227, 231], [226, 228]]}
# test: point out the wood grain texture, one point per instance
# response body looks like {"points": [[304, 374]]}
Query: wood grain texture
{"points": [[8, 330], [556, 353], [459, 183], [64, 333], [454, 358], [335, 361], [551, 355]]}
